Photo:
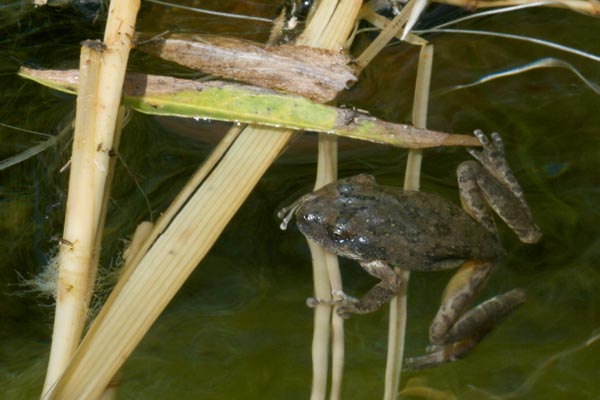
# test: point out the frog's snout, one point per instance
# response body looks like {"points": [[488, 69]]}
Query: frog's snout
{"points": [[287, 213]]}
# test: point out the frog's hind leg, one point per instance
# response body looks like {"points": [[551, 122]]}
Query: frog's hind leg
{"points": [[470, 329], [455, 331], [379, 294], [498, 187], [460, 291]]}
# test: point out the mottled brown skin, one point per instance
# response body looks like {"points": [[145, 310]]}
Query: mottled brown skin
{"points": [[358, 219], [384, 227]]}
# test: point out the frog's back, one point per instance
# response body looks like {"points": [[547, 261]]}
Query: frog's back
{"points": [[422, 231]]}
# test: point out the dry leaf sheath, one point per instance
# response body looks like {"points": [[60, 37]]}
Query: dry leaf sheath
{"points": [[224, 101], [314, 73]]}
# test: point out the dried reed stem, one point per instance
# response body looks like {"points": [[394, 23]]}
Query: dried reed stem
{"points": [[398, 306], [326, 278], [140, 236], [327, 172], [329, 26], [102, 69], [131, 310], [77, 244], [391, 29], [321, 324], [145, 291]]}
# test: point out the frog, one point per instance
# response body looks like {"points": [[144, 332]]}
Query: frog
{"points": [[384, 227]]}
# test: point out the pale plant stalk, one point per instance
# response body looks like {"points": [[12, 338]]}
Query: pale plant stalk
{"points": [[75, 256], [337, 325], [398, 306], [149, 287], [327, 277], [329, 26], [141, 234], [110, 392], [381, 22], [121, 121], [145, 292], [321, 324], [391, 29], [97, 110], [182, 197], [147, 232]]}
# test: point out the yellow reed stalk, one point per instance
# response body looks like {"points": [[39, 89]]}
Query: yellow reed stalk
{"points": [[146, 232], [328, 28], [140, 297], [321, 323], [121, 121], [77, 244], [398, 306], [326, 277], [174, 208], [379, 21], [167, 264], [327, 172], [391, 29], [141, 234], [97, 107]]}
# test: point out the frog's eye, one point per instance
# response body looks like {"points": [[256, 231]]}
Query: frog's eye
{"points": [[310, 217]]}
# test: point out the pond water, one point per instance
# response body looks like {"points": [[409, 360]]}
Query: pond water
{"points": [[239, 328]]}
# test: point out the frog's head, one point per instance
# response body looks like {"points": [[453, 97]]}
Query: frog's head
{"points": [[326, 216]]}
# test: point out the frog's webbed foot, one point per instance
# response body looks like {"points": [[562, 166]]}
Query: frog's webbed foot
{"points": [[469, 330], [493, 159], [340, 299], [379, 294], [492, 182]]}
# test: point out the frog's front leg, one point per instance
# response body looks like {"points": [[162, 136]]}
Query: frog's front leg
{"points": [[374, 299], [379, 295]]}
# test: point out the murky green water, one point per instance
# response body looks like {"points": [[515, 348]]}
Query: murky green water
{"points": [[239, 327]]}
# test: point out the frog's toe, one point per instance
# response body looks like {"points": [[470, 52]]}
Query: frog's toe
{"points": [[493, 149], [492, 154], [344, 312], [498, 143], [482, 137], [347, 305], [432, 348], [312, 302], [343, 298], [339, 298]]}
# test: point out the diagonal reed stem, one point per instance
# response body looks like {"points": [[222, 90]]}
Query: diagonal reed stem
{"points": [[145, 292]]}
